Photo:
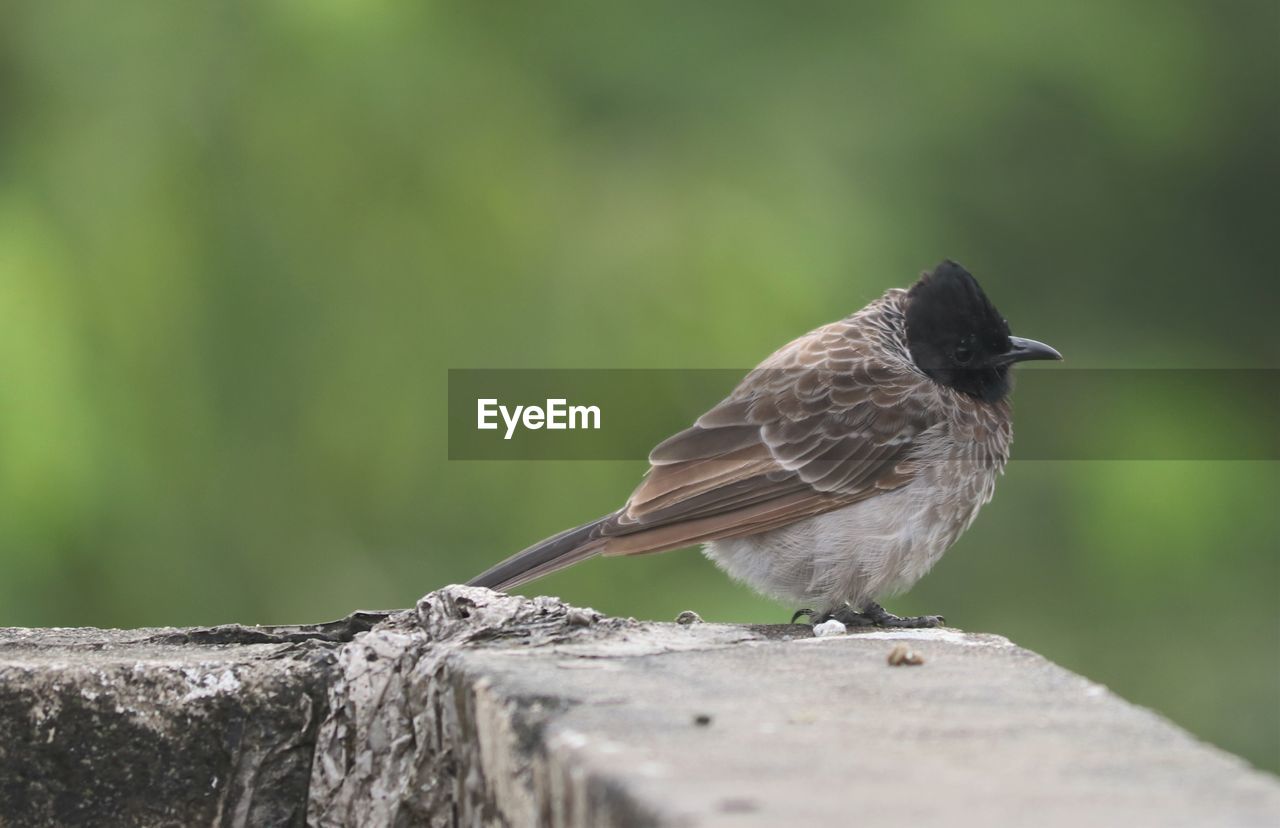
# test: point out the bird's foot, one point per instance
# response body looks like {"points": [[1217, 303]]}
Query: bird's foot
{"points": [[873, 615], [881, 617], [845, 615]]}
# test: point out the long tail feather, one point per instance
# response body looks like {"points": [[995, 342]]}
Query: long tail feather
{"points": [[545, 557]]}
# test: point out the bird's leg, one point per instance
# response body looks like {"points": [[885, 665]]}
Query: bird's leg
{"points": [[844, 614], [872, 615], [883, 618]]}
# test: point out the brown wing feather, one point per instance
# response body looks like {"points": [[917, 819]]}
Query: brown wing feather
{"points": [[820, 425], [750, 520]]}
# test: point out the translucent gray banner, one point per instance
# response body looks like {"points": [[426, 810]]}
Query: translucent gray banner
{"points": [[1059, 413]]}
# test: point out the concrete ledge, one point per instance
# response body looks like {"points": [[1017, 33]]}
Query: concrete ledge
{"points": [[106, 727], [477, 708]]}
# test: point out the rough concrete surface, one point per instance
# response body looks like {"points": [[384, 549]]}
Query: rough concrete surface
{"points": [[477, 708], [159, 727]]}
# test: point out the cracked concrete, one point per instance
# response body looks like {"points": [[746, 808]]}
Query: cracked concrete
{"points": [[477, 708]]}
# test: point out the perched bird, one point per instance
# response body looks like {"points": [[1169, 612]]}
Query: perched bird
{"points": [[839, 470]]}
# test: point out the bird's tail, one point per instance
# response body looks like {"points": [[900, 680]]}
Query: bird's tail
{"points": [[545, 557]]}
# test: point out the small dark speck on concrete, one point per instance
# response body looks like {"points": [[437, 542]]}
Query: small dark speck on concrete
{"points": [[702, 719], [688, 617]]}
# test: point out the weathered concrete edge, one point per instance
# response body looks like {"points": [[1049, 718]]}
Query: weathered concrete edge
{"points": [[415, 728], [475, 756], [137, 727], [501, 754]]}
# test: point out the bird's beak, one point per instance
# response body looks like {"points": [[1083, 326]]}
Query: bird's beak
{"points": [[1025, 349]]}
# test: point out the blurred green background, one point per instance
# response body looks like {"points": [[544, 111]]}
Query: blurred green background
{"points": [[241, 243]]}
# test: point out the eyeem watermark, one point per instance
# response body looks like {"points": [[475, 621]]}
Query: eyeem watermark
{"points": [[1062, 413], [556, 415]]}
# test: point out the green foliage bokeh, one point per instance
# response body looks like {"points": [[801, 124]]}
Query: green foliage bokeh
{"points": [[241, 244]]}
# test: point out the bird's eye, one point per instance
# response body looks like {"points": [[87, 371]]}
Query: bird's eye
{"points": [[962, 354]]}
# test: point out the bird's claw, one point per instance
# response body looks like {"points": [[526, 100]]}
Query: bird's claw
{"points": [[912, 622], [796, 615], [873, 615]]}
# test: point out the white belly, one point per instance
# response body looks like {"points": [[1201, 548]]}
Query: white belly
{"points": [[862, 552]]}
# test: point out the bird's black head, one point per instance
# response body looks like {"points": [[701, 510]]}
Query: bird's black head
{"points": [[959, 339]]}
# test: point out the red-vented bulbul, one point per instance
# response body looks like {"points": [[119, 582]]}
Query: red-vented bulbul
{"points": [[840, 469]]}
